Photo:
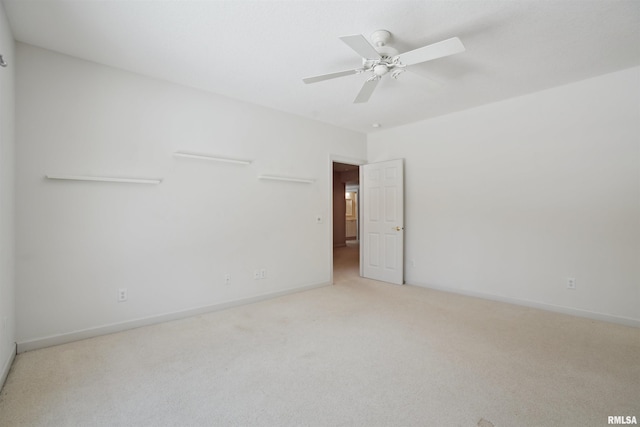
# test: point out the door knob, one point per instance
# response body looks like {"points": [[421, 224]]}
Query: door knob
{"points": [[398, 228]]}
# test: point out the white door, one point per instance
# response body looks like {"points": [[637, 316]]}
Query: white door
{"points": [[382, 197]]}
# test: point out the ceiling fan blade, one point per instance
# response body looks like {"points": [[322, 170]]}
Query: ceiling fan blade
{"points": [[322, 77], [361, 46], [367, 90], [432, 51]]}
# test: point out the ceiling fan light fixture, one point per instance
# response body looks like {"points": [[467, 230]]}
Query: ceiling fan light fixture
{"points": [[380, 70]]}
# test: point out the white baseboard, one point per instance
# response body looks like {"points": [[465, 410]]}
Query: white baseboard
{"points": [[7, 367], [539, 305], [58, 339]]}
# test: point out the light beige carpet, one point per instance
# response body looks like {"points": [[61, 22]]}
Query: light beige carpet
{"points": [[360, 353]]}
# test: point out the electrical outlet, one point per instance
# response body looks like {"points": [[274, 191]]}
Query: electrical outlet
{"points": [[227, 278], [122, 294], [413, 262], [571, 283], [256, 274], [263, 273]]}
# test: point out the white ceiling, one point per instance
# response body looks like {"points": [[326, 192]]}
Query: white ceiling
{"points": [[259, 51]]}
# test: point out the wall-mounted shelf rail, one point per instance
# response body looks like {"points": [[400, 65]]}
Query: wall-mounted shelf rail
{"points": [[212, 158], [104, 179], [286, 178]]}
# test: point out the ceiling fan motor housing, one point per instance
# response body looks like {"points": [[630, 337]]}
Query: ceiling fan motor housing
{"points": [[380, 40], [380, 37], [387, 52], [380, 67]]}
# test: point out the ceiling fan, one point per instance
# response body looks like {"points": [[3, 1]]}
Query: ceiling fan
{"points": [[379, 59]]}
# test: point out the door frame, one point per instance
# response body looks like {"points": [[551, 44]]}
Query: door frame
{"points": [[349, 161]]}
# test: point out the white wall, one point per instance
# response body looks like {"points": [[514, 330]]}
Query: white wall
{"points": [[510, 199], [7, 271], [171, 244]]}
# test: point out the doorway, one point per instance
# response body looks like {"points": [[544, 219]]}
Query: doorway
{"points": [[346, 220], [380, 218]]}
